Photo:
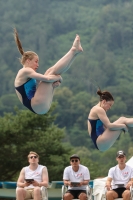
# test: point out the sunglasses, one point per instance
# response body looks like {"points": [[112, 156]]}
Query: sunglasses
{"points": [[74, 160], [33, 157], [121, 157]]}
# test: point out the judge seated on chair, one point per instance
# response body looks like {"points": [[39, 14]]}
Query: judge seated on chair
{"points": [[120, 179], [31, 179], [76, 177]]}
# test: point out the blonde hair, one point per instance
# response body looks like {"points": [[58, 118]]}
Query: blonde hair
{"points": [[25, 55], [32, 152]]}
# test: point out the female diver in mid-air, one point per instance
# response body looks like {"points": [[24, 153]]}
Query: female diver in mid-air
{"points": [[102, 132], [38, 97]]}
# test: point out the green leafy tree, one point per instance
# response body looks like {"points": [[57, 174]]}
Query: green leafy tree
{"points": [[8, 102], [24, 132], [105, 27]]}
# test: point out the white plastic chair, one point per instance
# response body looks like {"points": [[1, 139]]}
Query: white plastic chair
{"points": [[44, 193], [88, 192], [131, 197]]}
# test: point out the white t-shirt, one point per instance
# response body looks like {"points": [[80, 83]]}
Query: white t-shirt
{"points": [[81, 175], [120, 176], [36, 174]]}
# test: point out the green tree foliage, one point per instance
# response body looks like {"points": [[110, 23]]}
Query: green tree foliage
{"points": [[24, 132], [48, 27], [72, 108], [11, 100]]}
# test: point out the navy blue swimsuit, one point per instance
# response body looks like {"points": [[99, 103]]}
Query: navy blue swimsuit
{"points": [[97, 129], [27, 91]]}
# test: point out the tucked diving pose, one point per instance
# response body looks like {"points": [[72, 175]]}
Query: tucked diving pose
{"points": [[38, 97], [102, 132]]}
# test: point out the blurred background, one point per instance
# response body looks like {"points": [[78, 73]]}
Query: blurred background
{"points": [[48, 27]]}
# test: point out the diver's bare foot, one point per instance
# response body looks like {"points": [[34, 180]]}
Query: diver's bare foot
{"points": [[77, 45]]}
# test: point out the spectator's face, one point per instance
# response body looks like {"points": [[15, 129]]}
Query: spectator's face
{"points": [[75, 162], [33, 158], [121, 159]]}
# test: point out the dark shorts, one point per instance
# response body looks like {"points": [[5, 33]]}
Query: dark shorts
{"points": [[76, 193], [119, 191]]}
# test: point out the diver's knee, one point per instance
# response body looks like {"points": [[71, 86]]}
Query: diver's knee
{"points": [[49, 71], [123, 119]]}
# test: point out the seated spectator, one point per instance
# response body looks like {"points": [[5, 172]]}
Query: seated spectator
{"points": [[27, 189], [120, 178], [76, 177]]}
